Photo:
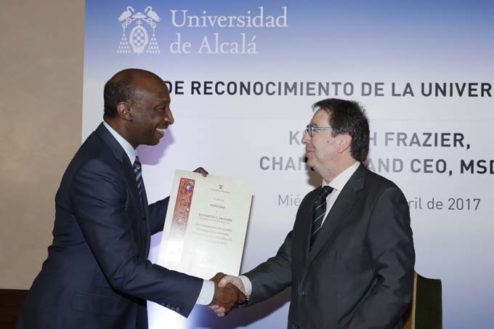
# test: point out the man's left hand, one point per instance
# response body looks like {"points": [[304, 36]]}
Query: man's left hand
{"points": [[201, 171]]}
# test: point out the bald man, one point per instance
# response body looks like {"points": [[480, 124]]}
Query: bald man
{"points": [[97, 274]]}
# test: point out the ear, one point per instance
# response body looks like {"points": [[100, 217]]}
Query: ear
{"points": [[344, 142], [123, 110]]}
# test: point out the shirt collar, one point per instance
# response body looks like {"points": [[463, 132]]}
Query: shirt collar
{"points": [[340, 181], [129, 150]]}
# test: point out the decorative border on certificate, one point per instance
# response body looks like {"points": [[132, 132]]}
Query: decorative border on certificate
{"points": [[182, 209]]}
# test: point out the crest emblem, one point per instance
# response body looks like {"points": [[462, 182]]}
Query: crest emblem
{"points": [[136, 24]]}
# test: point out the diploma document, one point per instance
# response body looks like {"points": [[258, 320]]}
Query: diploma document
{"points": [[205, 225]]}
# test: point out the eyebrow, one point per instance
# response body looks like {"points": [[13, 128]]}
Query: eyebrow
{"points": [[164, 103]]}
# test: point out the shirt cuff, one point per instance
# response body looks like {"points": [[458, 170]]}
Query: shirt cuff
{"points": [[207, 293], [247, 285]]}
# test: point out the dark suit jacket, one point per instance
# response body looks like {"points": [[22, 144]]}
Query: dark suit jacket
{"points": [[359, 271], [97, 274]]}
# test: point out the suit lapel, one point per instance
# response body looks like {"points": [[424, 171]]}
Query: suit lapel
{"points": [[301, 236], [140, 214], [338, 214], [123, 159], [306, 215]]}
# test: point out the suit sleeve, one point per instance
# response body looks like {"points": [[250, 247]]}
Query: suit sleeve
{"points": [[272, 276], [275, 274], [101, 203], [391, 248]]}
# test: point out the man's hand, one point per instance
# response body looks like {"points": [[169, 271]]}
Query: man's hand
{"points": [[235, 280], [201, 171], [226, 297]]}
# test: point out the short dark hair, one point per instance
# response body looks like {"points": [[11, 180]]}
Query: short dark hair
{"points": [[122, 87], [118, 89], [348, 117]]}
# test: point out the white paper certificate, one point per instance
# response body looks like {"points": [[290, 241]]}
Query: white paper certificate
{"points": [[205, 225]]}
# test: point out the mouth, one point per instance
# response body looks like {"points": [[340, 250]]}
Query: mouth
{"points": [[308, 155], [161, 131]]}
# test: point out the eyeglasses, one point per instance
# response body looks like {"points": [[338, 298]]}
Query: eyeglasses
{"points": [[311, 130]]}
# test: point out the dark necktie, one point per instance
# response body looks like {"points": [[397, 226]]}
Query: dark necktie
{"points": [[138, 173], [320, 209]]}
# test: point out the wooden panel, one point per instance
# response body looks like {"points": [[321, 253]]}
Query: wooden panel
{"points": [[11, 301]]}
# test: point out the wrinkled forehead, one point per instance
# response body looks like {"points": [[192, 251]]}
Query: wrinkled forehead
{"points": [[151, 86]]}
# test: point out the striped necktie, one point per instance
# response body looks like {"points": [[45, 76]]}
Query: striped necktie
{"points": [[320, 210], [138, 173]]}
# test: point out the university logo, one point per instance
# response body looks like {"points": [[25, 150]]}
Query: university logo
{"points": [[135, 31]]}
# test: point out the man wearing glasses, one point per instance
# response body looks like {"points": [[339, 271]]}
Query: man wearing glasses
{"points": [[349, 259]]}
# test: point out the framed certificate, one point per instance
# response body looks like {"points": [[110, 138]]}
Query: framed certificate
{"points": [[206, 224]]}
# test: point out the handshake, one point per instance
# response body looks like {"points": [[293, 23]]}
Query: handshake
{"points": [[229, 293]]}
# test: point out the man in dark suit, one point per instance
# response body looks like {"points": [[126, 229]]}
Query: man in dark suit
{"points": [[97, 274], [355, 269]]}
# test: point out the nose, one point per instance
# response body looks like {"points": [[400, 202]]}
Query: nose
{"points": [[306, 138], [169, 119]]}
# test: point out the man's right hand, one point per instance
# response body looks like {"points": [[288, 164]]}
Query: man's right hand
{"points": [[226, 296], [235, 280]]}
